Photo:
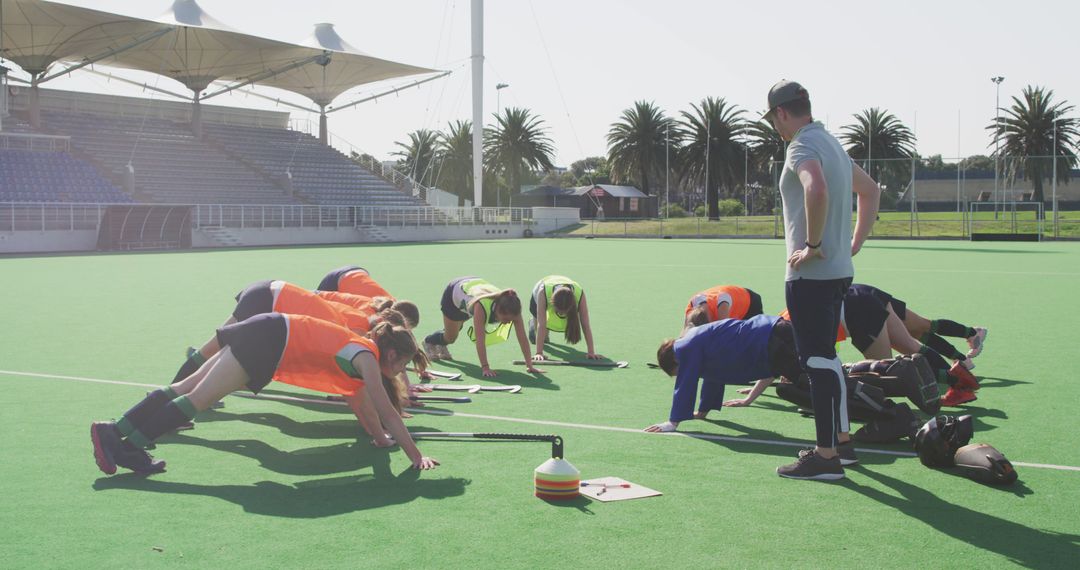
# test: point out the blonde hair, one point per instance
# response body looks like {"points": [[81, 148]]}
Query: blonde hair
{"points": [[563, 302]]}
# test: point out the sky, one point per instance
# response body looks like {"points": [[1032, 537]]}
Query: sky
{"points": [[579, 64]]}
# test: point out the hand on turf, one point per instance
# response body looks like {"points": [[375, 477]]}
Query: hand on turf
{"points": [[535, 370], [418, 388], [425, 463], [595, 356], [801, 256], [425, 375], [737, 403], [662, 427], [744, 390], [406, 415], [489, 373], [538, 357]]}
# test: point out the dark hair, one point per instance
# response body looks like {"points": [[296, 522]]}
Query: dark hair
{"points": [[380, 304], [665, 357], [410, 311], [699, 316], [388, 337], [391, 316], [797, 108], [563, 301], [507, 302]]}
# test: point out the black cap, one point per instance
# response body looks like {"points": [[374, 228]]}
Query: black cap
{"points": [[785, 92]]}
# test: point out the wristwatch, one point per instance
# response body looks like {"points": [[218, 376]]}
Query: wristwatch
{"points": [[812, 246]]}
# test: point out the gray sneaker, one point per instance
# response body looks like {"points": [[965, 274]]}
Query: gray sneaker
{"points": [[432, 351], [846, 451], [812, 466]]}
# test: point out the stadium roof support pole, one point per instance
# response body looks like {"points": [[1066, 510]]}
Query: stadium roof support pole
{"points": [[324, 135], [109, 53], [388, 92], [137, 84], [196, 116], [478, 101], [324, 56]]}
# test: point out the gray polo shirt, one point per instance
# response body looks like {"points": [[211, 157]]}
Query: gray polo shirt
{"points": [[813, 142]]}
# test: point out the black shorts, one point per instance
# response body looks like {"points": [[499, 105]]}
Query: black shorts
{"points": [[257, 344], [783, 358], [330, 282], [755, 305], [449, 309], [866, 309], [255, 299], [814, 306]]}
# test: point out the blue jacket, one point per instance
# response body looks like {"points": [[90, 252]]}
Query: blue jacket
{"points": [[728, 351]]}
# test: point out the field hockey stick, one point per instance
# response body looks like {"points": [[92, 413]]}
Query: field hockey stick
{"points": [[456, 388], [510, 389], [582, 363], [440, 374], [652, 365], [459, 400], [556, 441]]}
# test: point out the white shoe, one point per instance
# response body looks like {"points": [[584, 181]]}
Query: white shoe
{"points": [[976, 341]]}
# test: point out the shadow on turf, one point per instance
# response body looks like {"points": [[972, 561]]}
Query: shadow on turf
{"points": [[506, 377], [990, 381], [309, 499], [878, 245], [1022, 545]]}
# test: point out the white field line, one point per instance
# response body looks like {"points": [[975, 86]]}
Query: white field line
{"points": [[551, 423]]}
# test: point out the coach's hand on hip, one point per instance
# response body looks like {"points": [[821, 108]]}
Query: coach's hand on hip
{"points": [[800, 256]]}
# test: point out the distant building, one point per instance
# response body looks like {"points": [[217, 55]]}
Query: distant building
{"points": [[594, 201]]}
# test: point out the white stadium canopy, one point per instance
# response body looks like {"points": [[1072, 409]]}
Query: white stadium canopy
{"points": [[187, 45]]}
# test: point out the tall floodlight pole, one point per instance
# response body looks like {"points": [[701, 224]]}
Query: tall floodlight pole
{"points": [[746, 174], [478, 101], [667, 171], [997, 135]]}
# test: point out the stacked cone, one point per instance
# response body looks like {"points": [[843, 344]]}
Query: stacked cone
{"points": [[557, 480]]}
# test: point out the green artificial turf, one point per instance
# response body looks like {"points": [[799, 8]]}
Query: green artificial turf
{"points": [[273, 484]]}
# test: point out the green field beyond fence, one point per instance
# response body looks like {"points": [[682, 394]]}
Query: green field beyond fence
{"points": [[956, 225]]}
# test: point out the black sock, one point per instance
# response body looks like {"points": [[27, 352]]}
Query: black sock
{"points": [[153, 403], [935, 359], [944, 347], [175, 414], [951, 328], [194, 361]]}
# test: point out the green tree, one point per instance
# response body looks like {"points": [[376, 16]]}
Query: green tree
{"points": [[883, 145], [591, 170], [637, 144], [712, 153], [417, 156], [1026, 132], [455, 155], [516, 146]]}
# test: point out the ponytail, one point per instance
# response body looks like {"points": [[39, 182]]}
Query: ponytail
{"points": [[396, 391], [697, 317], [563, 301], [388, 337], [380, 304], [391, 316]]}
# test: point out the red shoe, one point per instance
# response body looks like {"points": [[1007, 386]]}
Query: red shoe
{"points": [[964, 378], [956, 396]]}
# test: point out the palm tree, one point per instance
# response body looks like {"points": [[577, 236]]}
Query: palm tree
{"points": [[455, 153], [637, 145], [1026, 131], [884, 144], [518, 141], [711, 152], [418, 155], [767, 153]]}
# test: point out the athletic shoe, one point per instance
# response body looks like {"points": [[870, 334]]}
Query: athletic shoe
{"points": [[976, 341], [106, 439], [813, 467], [138, 460], [432, 351], [964, 378], [444, 352], [956, 396], [846, 452]]}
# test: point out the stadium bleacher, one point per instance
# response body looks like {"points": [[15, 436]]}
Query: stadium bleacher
{"points": [[319, 173]]}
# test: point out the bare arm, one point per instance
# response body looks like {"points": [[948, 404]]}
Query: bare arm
{"points": [[369, 419], [723, 309], [756, 391], [373, 389], [816, 196], [868, 198], [479, 324], [586, 329], [523, 342], [541, 324]]}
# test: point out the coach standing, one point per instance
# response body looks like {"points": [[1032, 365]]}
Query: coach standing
{"points": [[816, 187]]}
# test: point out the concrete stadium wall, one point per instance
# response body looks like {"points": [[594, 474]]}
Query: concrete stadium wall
{"points": [[48, 241]]}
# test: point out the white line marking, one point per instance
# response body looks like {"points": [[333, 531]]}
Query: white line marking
{"points": [[704, 436]]}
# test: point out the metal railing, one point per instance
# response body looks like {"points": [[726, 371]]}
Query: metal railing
{"points": [[30, 141]]}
